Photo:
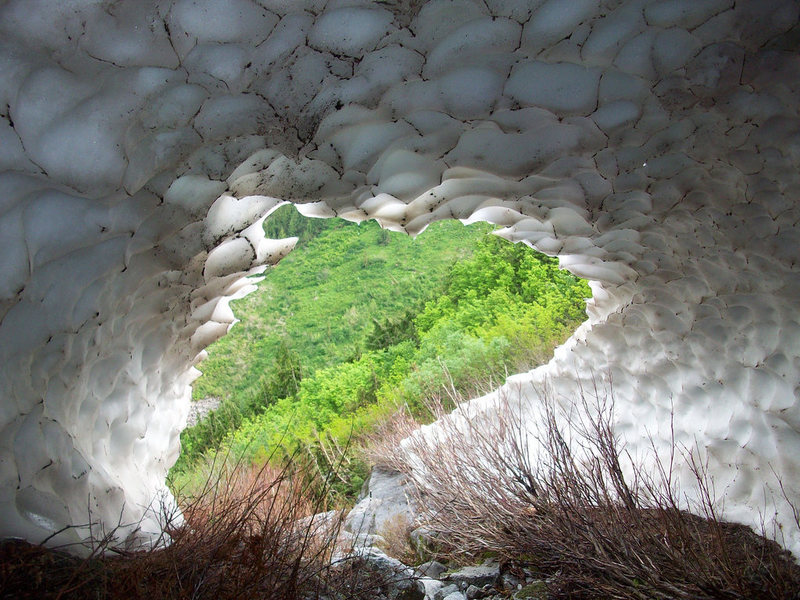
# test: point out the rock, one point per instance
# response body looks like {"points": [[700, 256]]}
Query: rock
{"points": [[454, 596], [473, 592], [198, 410], [476, 593], [384, 499], [487, 574], [432, 587], [321, 521], [447, 591], [350, 541], [509, 581], [395, 580], [423, 540], [432, 569]]}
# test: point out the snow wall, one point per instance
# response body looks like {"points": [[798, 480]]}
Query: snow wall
{"points": [[653, 146]]}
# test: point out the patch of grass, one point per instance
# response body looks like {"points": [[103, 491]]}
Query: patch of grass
{"points": [[396, 534], [533, 591]]}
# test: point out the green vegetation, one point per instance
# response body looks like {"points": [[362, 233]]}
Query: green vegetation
{"points": [[356, 323], [315, 309], [324, 295]]}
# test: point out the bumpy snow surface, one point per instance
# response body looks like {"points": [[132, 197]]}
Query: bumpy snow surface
{"points": [[653, 146]]}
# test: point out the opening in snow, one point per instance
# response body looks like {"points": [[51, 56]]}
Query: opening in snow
{"points": [[381, 320]]}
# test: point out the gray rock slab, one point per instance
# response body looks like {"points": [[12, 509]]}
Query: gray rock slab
{"points": [[397, 581], [446, 591], [385, 498], [478, 576], [432, 568]]}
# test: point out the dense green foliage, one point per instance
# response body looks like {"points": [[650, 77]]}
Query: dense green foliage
{"points": [[325, 295], [501, 308], [316, 309], [284, 381]]}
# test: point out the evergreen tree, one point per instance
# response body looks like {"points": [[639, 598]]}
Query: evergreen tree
{"points": [[284, 381]]}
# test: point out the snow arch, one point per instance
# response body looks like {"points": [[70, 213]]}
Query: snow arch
{"points": [[653, 146]]}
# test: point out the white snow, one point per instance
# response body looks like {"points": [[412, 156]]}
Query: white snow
{"points": [[474, 43], [564, 88], [351, 31], [555, 20], [652, 146]]}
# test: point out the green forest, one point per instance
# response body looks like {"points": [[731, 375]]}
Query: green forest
{"points": [[358, 322]]}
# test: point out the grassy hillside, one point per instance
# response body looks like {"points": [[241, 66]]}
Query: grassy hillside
{"points": [[324, 297], [358, 322]]}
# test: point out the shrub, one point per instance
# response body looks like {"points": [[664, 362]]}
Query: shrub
{"points": [[566, 500], [396, 534], [251, 533]]}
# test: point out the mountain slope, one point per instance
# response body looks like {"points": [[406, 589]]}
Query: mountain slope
{"points": [[324, 297]]}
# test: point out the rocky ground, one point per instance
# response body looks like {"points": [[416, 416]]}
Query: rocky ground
{"points": [[385, 502], [434, 581], [200, 408]]}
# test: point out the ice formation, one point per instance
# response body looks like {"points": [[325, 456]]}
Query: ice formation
{"points": [[654, 146]]}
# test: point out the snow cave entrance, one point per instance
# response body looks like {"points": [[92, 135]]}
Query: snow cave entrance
{"points": [[358, 317]]}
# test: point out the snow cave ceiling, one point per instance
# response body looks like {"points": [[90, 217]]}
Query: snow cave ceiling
{"points": [[653, 146]]}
